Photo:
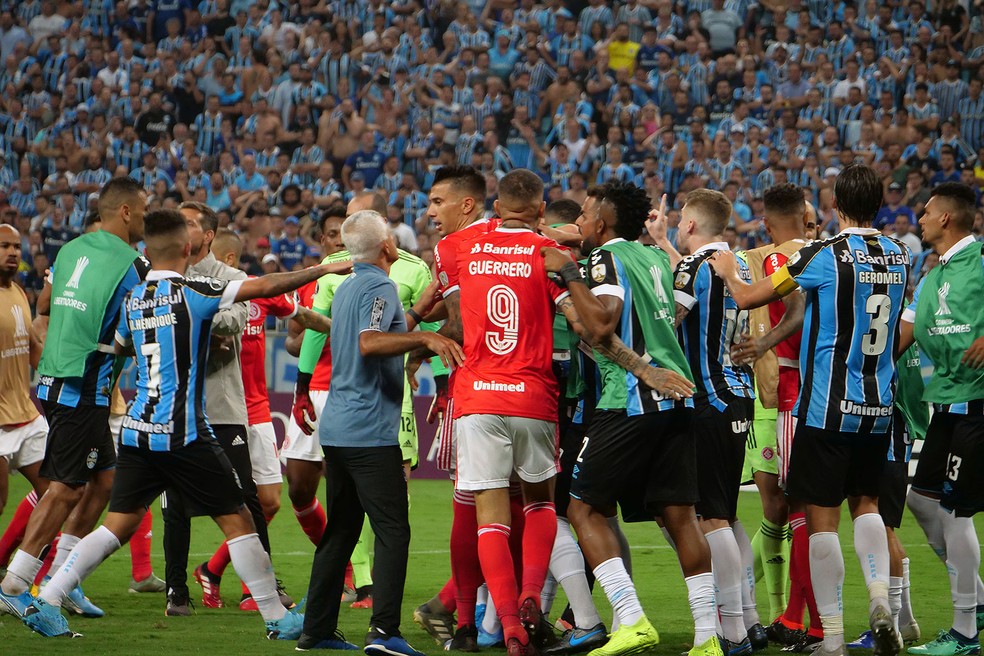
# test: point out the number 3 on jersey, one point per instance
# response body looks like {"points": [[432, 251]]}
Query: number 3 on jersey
{"points": [[503, 312], [879, 308]]}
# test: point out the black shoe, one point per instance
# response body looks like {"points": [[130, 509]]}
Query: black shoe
{"points": [[537, 627], [805, 644], [576, 641], [285, 598], [729, 648], [758, 638], [178, 606], [336, 642], [465, 639], [779, 633]]}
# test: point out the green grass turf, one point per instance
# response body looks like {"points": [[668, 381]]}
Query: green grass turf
{"points": [[135, 624]]}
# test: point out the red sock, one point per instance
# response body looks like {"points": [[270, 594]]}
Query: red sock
{"points": [[447, 596], [497, 565], [140, 567], [517, 524], [219, 560], [48, 559], [349, 576], [313, 521], [466, 567], [14, 535], [793, 616], [538, 540]]}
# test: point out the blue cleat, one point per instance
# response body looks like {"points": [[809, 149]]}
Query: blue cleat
{"points": [[288, 627], [15, 605], [863, 641], [77, 603], [486, 639], [337, 641], [378, 643], [46, 619]]}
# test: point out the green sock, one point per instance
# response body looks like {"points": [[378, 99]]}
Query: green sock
{"points": [[362, 559], [774, 550]]}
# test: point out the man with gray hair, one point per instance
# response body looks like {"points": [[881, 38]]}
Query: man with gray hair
{"points": [[364, 465]]}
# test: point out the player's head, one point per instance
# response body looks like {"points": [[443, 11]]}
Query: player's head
{"points": [[615, 209], [122, 203], [785, 212], [227, 247], [10, 253], [167, 239], [367, 200], [949, 212], [858, 194], [456, 198], [812, 227], [705, 214], [368, 239], [330, 225], [92, 222], [564, 211], [520, 197], [202, 224]]}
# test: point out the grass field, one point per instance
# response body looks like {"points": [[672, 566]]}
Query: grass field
{"points": [[136, 625]]}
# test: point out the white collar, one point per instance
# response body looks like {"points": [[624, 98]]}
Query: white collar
{"points": [[713, 246], [859, 231], [613, 241], [513, 230], [162, 274], [956, 248]]}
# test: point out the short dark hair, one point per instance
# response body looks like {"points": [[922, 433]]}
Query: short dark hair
{"points": [[116, 193], [962, 201], [631, 205], [521, 186], [564, 210], [209, 219], [336, 211], [859, 193], [165, 234], [464, 179], [785, 200]]}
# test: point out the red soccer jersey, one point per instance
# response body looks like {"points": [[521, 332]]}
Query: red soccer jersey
{"points": [[321, 378], [253, 356], [507, 310], [446, 252], [787, 352]]}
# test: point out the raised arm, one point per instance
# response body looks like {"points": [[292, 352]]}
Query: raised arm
{"points": [[747, 296], [281, 283], [598, 314]]}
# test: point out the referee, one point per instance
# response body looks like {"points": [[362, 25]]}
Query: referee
{"points": [[364, 465]]}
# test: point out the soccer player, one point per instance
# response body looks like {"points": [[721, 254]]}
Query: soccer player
{"points": [[82, 302], [945, 320], [167, 441], [363, 459], [854, 284], [638, 452]]}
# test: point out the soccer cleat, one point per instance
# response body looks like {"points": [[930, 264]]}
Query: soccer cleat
{"points": [[516, 648], [784, 635], [743, 648], [634, 639], [336, 642], [438, 623], [210, 586], [819, 650], [576, 640], [947, 644], [378, 643], [885, 638], [910, 632], [47, 620], [806, 644], [348, 594], [863, 641], [248, 604], [365, 602], [465, 639], [177, 606], [287, 627], [15, 605], [76, 602], [486, 639], [285, 598], [537, 627], [710, 647], [756, 635], [149, 584]]}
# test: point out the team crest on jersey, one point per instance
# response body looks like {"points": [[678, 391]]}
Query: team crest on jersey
{"points": [[768, 453], [254, 312], [90, 460], [941, 295], [682, 279], [598, 272], [793, 259]]}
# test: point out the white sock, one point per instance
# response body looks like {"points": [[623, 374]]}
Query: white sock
{"points": [[21, 572], [827, 575], [254, 568], [615, 581], [871, 546], [726, 566], [895, 598], [964, 557], [65, 545], [490, 623], [88, 553], [703, 606], [548, 593], [927, 512], [748, 607], [905, 612], [482, 595], [567, 566], [623, 544]]}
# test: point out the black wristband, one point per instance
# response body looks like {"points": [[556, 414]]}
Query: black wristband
{"points": [[303, 382], [413, 315], [571, 272]]}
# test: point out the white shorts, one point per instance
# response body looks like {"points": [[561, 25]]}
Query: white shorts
{"points": [[785, 428], [24, 445], [491, 447], [297, 445], [263, 454]]}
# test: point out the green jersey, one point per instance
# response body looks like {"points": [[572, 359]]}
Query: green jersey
{"points": [[641, 276], [909, 394]]}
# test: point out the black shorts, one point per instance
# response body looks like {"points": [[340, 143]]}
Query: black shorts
{"points": [[891, 497], [199, 472], [721, 437], [828, 466], [571, 442], [80, 443], [640, 463], [951, 460]]}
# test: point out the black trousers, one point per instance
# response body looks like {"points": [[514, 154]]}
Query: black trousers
{"points": [[178, 511], [361, 481]]}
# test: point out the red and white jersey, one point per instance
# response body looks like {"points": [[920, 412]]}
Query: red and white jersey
{"points": [[446, 252], [321, 378], [507, 310], [253, 357], [787, 351]]}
